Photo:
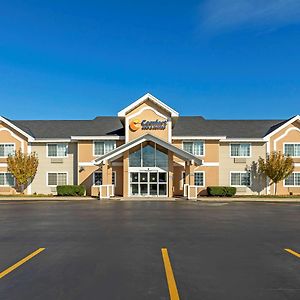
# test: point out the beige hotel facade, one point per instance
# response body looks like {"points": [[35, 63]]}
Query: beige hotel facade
{"points": [[149, 150]]}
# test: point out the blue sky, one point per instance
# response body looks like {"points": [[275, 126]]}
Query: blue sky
{"points": [[223, 59]]}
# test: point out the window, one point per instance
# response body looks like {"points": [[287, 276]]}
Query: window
{"points": [[293, 179], [199, 178], [103, 147], [240, 150], [240, 179], [57, 150], [195, 148], [292, 150], [98, 178], [7, 179], [148, 155], [6, 149], [55, 179]]}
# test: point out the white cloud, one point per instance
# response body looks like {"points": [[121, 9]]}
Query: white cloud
{"points": [[219, 15]]}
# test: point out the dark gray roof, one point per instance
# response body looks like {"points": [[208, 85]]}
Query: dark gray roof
{"points": [[184, 126], [198, 126], [67, 128]]}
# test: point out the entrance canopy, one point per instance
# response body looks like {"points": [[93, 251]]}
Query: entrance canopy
{"points": [[118, 152]]}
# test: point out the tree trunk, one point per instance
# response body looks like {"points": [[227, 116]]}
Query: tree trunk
{"points": [[275, 188]]}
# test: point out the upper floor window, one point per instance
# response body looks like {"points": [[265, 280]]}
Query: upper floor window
{"points": [[57, 150], [7, 179], [292, 149], [293, 179], [103, 147], [6, 149], [240, 178], [195, 148], [240, 150]]}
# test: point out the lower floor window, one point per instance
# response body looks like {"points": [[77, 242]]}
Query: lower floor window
{"points": [[199, 178], [57, 179], [7, 179], [98, 178], [240, 178], [293, 179]]}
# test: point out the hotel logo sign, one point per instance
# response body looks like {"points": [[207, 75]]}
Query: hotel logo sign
{"points": [[136, 124]]}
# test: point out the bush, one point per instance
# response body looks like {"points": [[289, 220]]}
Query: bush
{"points": [[221, 191], [70, 190]]}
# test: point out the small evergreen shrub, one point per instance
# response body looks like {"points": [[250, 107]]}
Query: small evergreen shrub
{"points": [[70, 190], [221, 191]]}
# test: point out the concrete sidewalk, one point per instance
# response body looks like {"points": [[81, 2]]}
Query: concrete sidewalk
{"points": [[249, 199], [54, 198], [154, 199]]}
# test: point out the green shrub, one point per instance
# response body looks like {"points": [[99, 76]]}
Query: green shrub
{"points": [[221, 191], [70, 190]]}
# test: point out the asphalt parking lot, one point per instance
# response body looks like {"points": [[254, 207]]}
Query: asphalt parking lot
{"points": [[112, 250]]}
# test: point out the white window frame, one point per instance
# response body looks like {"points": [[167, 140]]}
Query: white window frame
{"points": [[67, 154], [182, 181], [234, 156], [50, 172], [8, 144], [194, 141], [290, 143], [287, 185], [103, 141], [7, 185], [203, 172], [240, 172], [114, 172]]}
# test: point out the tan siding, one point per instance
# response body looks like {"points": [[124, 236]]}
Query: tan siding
{"points": [[147, 114], [288, 134], [39, 184], [9, 135], [86, 150], [227, 164]]}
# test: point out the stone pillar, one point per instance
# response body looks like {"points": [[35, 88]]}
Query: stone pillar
{"points": [[171, 174], [125, 173]]}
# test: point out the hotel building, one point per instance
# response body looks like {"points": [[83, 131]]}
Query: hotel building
{"points": [[148, 149]]}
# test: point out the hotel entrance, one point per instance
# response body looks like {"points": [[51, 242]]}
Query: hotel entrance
{"points": [[148, 171], [149, 183]]}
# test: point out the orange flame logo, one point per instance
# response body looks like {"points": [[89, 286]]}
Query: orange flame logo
{"points": [[135, 124]]}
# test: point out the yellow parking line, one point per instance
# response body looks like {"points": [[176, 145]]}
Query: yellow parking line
{"points": [[293, 252], [170, 276], [21, 262]]}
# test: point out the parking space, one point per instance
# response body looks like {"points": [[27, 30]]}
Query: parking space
{"points": [[113, 250]]}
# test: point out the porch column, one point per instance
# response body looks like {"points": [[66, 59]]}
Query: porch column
{"points": [[189, 172], [171, 174], [125, 173], [106, 173]]}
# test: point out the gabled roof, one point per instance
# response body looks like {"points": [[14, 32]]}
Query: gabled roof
{"points": [[147, 137], [198, 126], [281, 125], [150, 97], [16, 128], [47, 129], [113, 127]]}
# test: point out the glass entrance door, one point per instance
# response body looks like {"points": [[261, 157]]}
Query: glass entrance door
{"points": [[148, 183]]}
